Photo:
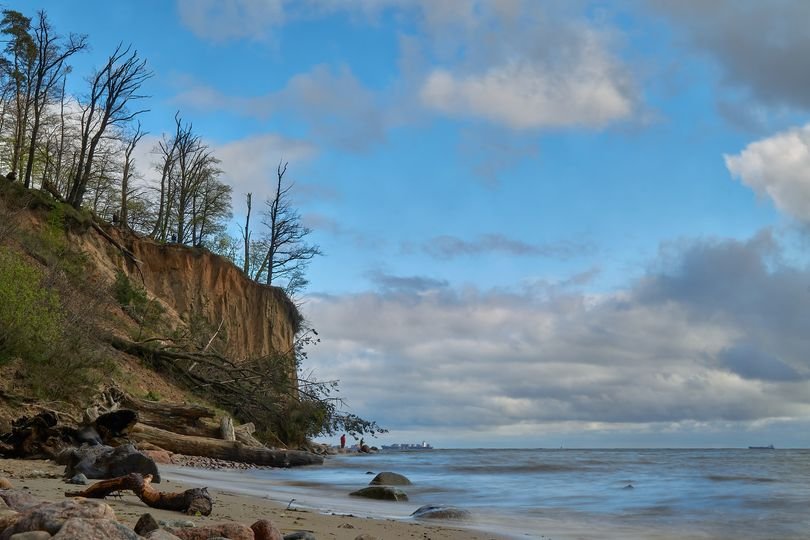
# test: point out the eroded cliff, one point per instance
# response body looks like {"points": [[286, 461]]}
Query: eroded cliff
{"points": [[254, 320]]}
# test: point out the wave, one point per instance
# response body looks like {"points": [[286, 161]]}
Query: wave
{"points": [[741, 478], [517, 468]]}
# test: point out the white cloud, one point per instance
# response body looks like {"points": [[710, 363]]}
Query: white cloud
{"points": [[249, 165], [778, 167], [713, 341], [521, 95]]}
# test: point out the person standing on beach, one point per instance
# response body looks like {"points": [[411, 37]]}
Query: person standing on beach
{"points": [[343, 441]]}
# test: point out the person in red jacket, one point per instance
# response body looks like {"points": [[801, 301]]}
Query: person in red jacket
{"points": [[343, 441]]}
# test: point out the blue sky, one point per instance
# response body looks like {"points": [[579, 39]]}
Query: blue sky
{"points": [[544, 223]]}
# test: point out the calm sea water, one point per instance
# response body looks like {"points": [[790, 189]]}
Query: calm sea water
{"points": [[562, 494]]}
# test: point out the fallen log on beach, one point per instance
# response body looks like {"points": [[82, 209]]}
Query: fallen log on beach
{"points": [[220, 449], [190, 501]]}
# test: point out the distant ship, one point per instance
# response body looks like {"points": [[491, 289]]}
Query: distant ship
{"points": [[769, 447], [407, 446]]}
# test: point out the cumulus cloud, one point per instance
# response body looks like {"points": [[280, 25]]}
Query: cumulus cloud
{"points": [[522, 95], [761, 47], [249, 164], [778, 168], [419, 355]]}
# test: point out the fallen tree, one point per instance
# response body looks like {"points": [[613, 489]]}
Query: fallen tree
{"points": [[220, 449], [190, 501]]}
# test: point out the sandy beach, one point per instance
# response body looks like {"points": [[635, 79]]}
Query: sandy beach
{"points": [[44, 479]]}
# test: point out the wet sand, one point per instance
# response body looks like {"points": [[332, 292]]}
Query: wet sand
{"points": [[43, 479]]}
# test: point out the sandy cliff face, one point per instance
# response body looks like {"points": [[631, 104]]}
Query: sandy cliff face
{"points": [[256, 320]]}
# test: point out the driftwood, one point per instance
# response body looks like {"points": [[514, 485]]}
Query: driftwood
{"points": [[219, 449], [191, 501], [37, 437]]}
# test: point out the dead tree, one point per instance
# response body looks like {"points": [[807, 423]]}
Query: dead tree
{"points": [[111, 90], [128, 165]]}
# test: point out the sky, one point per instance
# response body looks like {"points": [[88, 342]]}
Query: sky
{"points": [[544, 223]]}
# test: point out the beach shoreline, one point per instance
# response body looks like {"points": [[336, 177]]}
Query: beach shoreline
{"points": [[43, 479]]}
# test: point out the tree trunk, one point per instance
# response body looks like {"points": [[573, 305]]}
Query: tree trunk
{"points": [[191, 501], [226, 429], [219, 449]]}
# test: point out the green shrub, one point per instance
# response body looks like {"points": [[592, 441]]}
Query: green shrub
{"points": [[134, 300], [30, 315]]}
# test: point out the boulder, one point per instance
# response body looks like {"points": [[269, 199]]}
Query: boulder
{"points": [[382, 493], [233, 531], [159, 456], [52, 516], [146, 523], [19, 500], [108, 529], [106, 462], [5, 483], [265, 530], [160, 534], [431, 511], [31, 535], [389, 479]]}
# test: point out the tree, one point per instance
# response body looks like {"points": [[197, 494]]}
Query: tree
{"points": [[49, 68], [111, 89], [246, 235], [287, 254], [128, 166], [193, 202], [20, 46]]}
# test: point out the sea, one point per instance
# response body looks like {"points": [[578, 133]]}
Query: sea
{"points": [[559, 494]]}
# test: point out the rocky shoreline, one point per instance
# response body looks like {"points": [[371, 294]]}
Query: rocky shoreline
{"points": [[35, 505]]}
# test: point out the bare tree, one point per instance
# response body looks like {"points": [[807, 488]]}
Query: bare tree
{"points": [[128, 166], [287, 253], [246, 235], [49, 68], [111, 90]]}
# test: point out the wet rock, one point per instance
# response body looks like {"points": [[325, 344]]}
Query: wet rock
{"points": [[52, 516], [265, 530], [146, 523], [389, 479], [431, 511], [233, 531], [108, 529], [382, 493], [31, 535], [300, 535], [629, 486], [107, 462], [79, 479]]}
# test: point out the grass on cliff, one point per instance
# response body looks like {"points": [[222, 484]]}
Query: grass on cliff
{"points": [[45, 307]]}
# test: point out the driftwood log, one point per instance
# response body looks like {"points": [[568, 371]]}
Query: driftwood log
{"points": [[37, 437], [219, 449], [190, 501]]}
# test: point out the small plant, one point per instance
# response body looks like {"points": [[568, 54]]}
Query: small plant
{"points": [[151, 395]]}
